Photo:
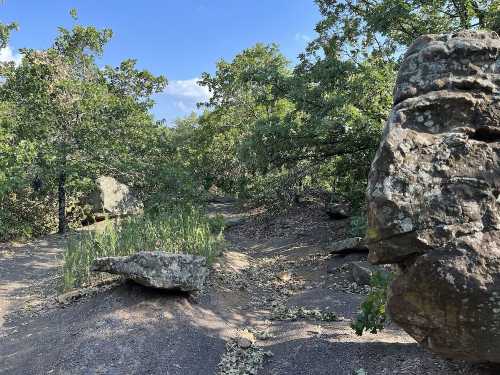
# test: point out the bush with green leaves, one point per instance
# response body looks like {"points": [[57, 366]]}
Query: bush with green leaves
{"points": [[359, 225], [182, 230], [25, 214], [373, 317]]}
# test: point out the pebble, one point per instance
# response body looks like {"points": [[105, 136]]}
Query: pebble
{"points": [[244, 343]]}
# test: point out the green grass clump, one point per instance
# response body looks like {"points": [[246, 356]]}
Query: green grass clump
{"points": [[184, 230]]}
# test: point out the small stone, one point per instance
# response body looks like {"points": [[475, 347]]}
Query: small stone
{"points": [[244, 343], [69, 297], [338, 211], [284, 276], [429, 123]]}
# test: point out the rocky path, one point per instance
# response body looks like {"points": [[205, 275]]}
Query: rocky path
{"points": [[270, 301]]}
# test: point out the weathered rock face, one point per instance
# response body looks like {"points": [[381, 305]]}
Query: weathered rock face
{"points": [[434, 197], [113, 198], [157, 269]]}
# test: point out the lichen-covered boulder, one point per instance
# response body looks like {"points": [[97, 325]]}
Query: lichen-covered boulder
{"points": [[158, 269], [433, 195], [112, 198]]}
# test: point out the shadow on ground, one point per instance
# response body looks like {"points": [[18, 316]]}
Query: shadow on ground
{"points": [[130, 329]]}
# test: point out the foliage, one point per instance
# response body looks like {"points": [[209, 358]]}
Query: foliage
{"points": [[359, 224], [244, 95], [268, 123], [5, 31], [270, 132], [25, 214], [358, 28], [70, 121], [173, 164], [373, 317], [184, 230], [240, 361]]}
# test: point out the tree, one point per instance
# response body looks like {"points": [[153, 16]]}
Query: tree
{"points": [[5, 31], [245, 92], [293, 126], [357, 28], [82, 120]]}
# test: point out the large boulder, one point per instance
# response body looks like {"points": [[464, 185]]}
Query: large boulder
{"points": [[158, 269], [434, 199], [112, 198]]}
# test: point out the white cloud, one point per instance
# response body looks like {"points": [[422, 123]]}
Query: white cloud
{"points": [[183, 95], [188, 89], [302, 37], [6, 55], [183, 106]]}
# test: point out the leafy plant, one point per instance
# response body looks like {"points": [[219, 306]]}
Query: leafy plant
{"points": [[183, 230], [373, 317], [358, 225]]}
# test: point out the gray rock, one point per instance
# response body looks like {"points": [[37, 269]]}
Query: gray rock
{"points": [[348, 246], [433, 195], [362, 272], [158, 269], [69, 297], [113, 198], [244, 343], [338, 211], [230, 222]]}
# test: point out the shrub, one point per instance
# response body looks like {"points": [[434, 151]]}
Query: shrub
{"points": [[183, 230], [373, 317], [25, 214], [359, 225]]}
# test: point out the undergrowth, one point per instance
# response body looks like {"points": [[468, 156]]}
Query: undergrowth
{"points": [[184, 230], [373, 317], [359, 225]]}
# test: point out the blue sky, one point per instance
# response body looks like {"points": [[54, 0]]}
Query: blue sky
{"points": [[177, 38]]}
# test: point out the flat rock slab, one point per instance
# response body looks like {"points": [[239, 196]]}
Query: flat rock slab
{"points": [[158, 269], [348, 246]]}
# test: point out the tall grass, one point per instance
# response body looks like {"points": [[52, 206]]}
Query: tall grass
{"points": [[183, 230]]}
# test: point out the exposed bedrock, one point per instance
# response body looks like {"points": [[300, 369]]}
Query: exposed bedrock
{"points": [[434, 195]]}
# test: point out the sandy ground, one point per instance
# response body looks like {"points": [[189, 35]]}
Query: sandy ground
{"points": [[129, 329]]}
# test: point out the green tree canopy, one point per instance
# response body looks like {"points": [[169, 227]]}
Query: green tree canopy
{"points": [[81, 120]]}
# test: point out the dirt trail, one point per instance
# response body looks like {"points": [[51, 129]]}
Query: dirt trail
{"points": [[128, 329]]}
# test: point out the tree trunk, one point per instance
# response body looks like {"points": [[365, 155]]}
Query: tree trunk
{"points": [[479, 14], [61, 190]]}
